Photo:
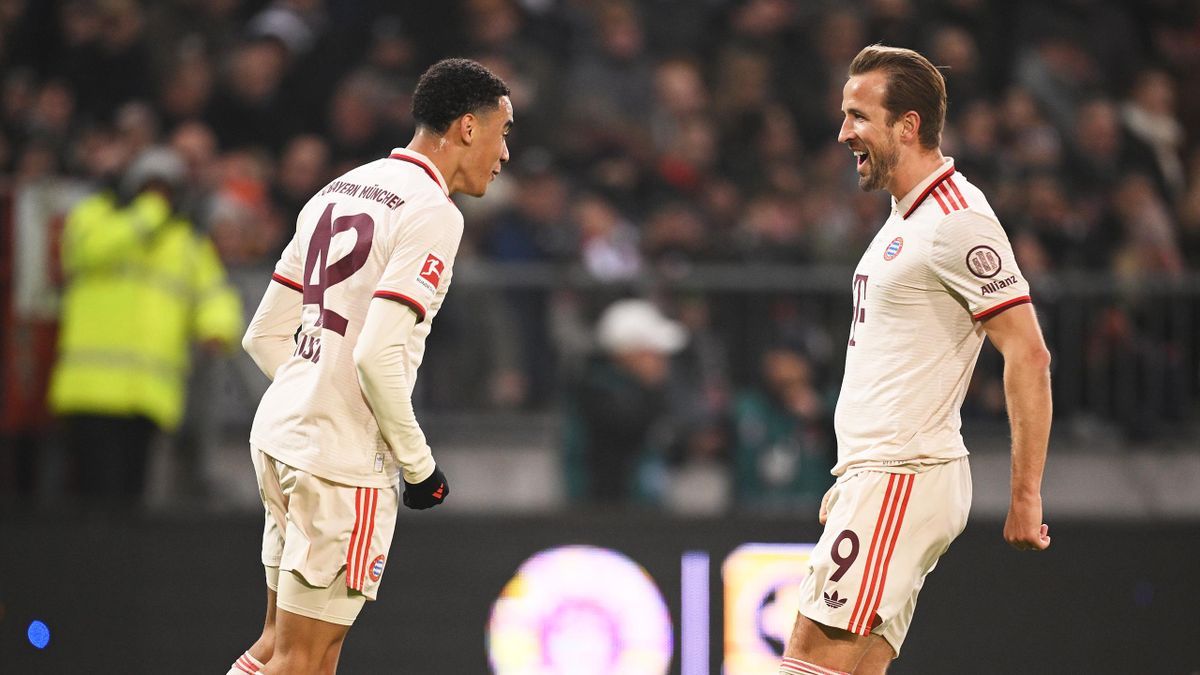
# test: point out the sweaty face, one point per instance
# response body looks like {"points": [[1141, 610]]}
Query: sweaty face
{"points": [[489, 149], [866, 130]]}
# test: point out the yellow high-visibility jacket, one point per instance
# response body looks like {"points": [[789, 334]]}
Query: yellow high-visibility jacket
{"points": [[141, 286]]}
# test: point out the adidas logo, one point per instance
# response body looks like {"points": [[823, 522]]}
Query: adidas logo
{"points": [[437, 494], [833, 600]]}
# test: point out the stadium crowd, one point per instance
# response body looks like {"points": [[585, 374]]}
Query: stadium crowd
{"points": [[654, 137]]}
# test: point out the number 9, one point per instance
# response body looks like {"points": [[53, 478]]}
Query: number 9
{"points": [[843, 562]]}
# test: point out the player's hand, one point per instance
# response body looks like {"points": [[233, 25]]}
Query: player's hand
{"points": [[1024, 529], [823, 515], [428, 493]]}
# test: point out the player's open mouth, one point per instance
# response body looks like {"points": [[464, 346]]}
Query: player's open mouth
{"points": [[861, 156]]}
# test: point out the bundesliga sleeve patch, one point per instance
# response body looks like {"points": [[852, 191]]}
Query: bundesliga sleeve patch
{"points": [[431, 272]]}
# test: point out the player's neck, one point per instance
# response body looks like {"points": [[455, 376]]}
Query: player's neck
{"points": [[914, 169], [444, 154]]}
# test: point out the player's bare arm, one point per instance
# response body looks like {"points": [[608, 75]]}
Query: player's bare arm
{"points": [[1017, 336], [268, 338]]}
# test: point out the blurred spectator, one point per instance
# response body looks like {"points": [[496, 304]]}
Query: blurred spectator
{"points": [[612, 79], [784, 449], [608, 242], [954, 50], [247, 109], [141, 287], [620, 427], [1148, 116], [303, 168]]}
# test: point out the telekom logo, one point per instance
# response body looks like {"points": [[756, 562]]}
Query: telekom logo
{"points": [[431, 271], [860, 299]]}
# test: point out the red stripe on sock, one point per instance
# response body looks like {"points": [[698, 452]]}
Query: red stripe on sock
{"points": [[807, 668]]}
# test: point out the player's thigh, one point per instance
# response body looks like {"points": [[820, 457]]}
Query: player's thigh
{"points": [[335, 603], [300, 635], [885, 532], [825, 646]]}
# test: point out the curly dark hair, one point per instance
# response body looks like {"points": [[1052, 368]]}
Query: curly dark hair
{"points": [[452, 88]]}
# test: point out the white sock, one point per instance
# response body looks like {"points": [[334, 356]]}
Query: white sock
{"points": [[245, 665], [791, 666]]}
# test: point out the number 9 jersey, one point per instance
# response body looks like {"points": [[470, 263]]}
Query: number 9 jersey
{"points": [[387, 229], [938, 268]]}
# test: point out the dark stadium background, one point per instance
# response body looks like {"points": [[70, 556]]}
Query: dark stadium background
{"points": [[679, 150]]}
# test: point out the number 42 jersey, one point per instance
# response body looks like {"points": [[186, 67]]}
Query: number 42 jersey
{"points": [[386, 229], [938, 268]]}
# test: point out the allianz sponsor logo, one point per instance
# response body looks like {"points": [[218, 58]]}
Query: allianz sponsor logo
{"points": [[997, 285]]}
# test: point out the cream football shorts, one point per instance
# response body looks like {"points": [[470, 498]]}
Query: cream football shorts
{"points": [[884, 534], [332, 538]]}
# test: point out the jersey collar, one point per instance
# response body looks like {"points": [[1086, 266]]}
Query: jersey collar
{"points": [[917, 195], [413, 157]]}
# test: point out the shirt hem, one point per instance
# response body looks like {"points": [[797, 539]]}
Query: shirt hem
{"points": [[911, 465], [295, 460]]}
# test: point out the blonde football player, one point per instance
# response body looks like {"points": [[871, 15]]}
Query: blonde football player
{"points": [[938, 278]]}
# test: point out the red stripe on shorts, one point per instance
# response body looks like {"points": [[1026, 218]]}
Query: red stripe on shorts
{"points": [[863, 626], [354, 537], [859, 605], [366, 543], [907, 486]]}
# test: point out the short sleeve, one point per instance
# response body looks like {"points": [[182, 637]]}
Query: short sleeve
{"points": [[422, 257], [289, 271], [974, 259]]}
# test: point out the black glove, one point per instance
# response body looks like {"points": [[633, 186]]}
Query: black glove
{"points": [[428, 493]]}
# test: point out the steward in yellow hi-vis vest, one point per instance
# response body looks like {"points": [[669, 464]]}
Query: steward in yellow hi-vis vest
{"points": [[141, 286]]}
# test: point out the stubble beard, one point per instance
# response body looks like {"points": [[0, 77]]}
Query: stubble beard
{"points": [[882, 162]]}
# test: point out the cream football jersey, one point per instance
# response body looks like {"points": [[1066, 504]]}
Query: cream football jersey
{"points": [[385, 229], [940, 265]]}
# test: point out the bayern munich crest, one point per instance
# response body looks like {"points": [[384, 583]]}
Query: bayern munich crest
{"points": [[893, 248], [376, 569]]}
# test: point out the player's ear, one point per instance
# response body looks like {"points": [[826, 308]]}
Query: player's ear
{"points": [[910, 126], [468, 124]]}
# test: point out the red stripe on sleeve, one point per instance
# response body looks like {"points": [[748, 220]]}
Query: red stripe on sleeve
{"points": [[1008, 304], [949, 198], [286, 282], [925, 193], [404, 300], [941, 202], [954, 187]]}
